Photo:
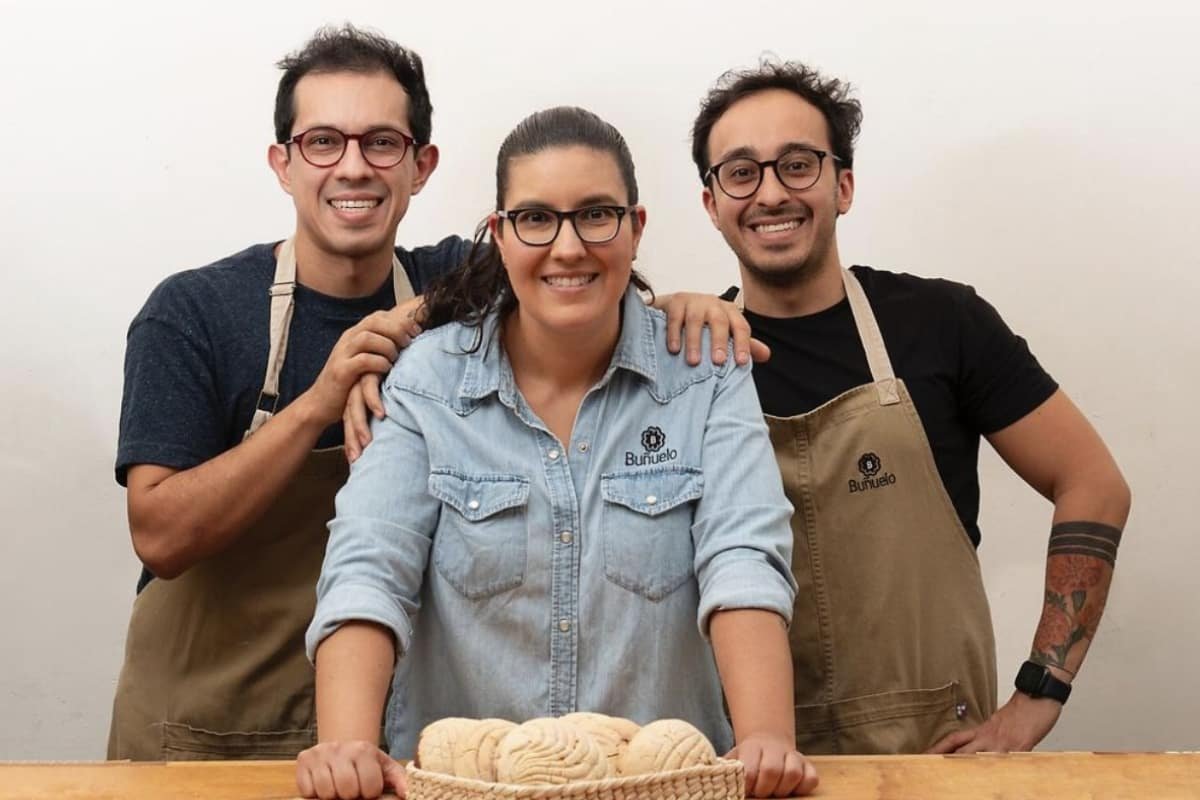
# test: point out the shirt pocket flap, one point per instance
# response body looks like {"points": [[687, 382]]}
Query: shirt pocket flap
{"points": [[478, 497], [652, 492]]}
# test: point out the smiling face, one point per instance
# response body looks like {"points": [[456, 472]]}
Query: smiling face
{"points": [[781, 236], [351, 209], [568, 286]]}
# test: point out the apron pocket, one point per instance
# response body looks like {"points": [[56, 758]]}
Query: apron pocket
{"points": [[182, 742], [647, 528], [904, 721], [482, 536]]}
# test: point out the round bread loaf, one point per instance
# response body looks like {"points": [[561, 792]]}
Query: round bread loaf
{"points": [[435, 747], [549, 751], [664, 745], [475, 750], [611, 733]]}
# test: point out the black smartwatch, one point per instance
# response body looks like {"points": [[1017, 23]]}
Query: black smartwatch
{"points": [[1036, 680]]}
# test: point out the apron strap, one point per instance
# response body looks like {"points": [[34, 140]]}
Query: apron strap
{"points": [[872, 341], [283, 302], [868, 332]]}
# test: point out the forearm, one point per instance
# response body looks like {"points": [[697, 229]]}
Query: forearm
{"points": [[354, 668], [755, 664], [178, 518], [1079, 566]]}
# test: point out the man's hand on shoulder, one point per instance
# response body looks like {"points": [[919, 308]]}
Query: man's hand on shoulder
{"points": [[1017, 726], [363, 399], [688, 313]]}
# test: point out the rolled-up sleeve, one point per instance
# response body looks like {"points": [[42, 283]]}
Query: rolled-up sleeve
{"points": [[742, 535], [381, 533]]}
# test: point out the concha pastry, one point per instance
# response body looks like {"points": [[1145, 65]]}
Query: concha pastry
{"points": [[475, 751], [611, 733], [435, 748], [664, 745], [548, 750]]}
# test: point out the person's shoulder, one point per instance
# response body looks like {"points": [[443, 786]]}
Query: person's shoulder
{"points": [[673, 373], [210, 287], [434, 259], [433, 364], [904, 285]]}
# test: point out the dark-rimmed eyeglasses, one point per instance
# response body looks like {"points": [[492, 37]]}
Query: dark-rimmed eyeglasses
{"points": [[380, 147], [797, 169], [538, 227]]}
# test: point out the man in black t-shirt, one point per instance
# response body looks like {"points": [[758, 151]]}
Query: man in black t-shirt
{"points": [[878, 390]]}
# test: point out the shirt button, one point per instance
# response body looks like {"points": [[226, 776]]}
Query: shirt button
{"points": [[473, 504], [583, 447], [564, 625], [553, 455], [651, 499], [565, 537]]}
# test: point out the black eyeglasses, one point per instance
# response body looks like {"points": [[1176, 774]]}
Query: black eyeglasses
{"points": [[538, 227], [380, 147], [797, 169]]}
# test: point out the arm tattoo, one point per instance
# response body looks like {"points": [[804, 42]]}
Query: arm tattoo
{"points": [[1085, 539], [1078, 573]]}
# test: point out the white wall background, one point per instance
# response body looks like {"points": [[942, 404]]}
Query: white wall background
{"points": [[1045, 152]]}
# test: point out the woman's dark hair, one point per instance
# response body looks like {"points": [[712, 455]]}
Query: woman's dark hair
{"points": [[349, 49], [471, 292], [843, 114]]}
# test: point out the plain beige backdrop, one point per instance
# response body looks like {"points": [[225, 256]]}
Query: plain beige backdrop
{"points": [[1044, 152]]}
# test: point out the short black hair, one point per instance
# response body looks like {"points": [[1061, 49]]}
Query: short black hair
{"points": [[351, 49], [843, 114]]}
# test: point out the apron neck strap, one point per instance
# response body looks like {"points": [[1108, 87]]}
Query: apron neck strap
{"points": [[872, 341], [283, 302]]}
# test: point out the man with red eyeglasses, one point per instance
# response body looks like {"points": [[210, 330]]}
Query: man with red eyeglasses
{"points": [[877, 392], [236, 378]]}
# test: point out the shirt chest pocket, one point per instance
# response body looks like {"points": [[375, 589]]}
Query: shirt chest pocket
{"points": [[482, 536], [647, 528]]}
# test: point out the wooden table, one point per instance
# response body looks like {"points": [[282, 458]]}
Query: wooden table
{"points": [[1023, 776]]}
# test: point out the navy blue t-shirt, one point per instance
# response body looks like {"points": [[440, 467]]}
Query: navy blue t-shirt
{"points": [[967, 372], [196, 353]]}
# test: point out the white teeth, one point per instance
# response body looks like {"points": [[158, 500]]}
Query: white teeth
{"points": [[353, 205], [569, 280], [775, 227]]}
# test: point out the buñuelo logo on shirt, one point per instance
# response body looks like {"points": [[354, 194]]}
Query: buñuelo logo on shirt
{"points": [[653, 442], [873, 476]]}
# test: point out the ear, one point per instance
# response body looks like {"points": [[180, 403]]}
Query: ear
{"points": [[845, 190], [496, 231], [638, 216], [710, 205], [426, 160], [277, 159]]}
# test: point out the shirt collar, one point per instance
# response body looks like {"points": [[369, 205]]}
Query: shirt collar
{"points": [[488, 369]]}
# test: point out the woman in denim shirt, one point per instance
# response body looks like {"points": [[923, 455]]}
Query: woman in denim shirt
{"points": [[555, 514]]}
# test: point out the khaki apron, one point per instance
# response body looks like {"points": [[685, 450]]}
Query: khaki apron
{"points": [[214, 659], [891, 634]]}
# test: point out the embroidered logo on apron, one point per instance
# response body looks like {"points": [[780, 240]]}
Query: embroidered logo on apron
{"points": [[870, 466], [653, 442]]}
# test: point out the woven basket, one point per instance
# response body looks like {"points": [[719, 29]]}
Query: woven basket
{"points": [[725, 780]]}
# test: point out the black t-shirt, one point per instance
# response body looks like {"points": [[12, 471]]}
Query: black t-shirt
{"points": [[196, 353], [967, 372]]}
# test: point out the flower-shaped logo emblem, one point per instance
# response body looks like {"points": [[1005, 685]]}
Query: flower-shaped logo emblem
{"points": [[653, 439], [869, 465]]}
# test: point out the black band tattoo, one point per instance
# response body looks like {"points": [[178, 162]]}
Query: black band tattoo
{"points": [[1085, 539]]}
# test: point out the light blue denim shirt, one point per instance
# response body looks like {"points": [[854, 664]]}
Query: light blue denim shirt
{"points": [[523, 576]]}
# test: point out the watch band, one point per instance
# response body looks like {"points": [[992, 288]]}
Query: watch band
{"points": [[1036, 680]]}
